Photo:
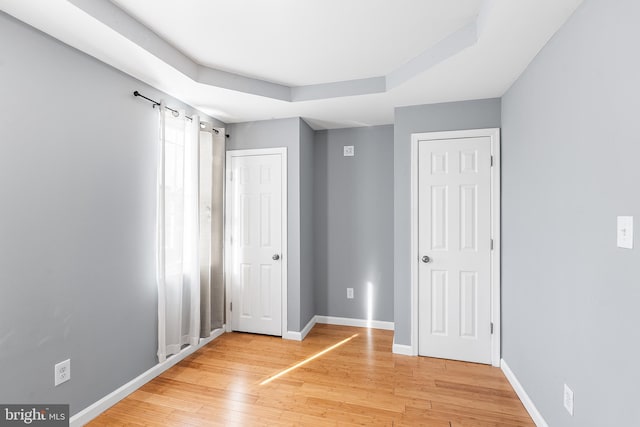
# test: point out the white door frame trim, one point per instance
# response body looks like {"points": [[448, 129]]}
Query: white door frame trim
{"points": [[227, 229], [494, 135]]}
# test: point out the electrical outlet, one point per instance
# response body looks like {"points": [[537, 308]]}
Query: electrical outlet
{"points": [[625, 232], [568, 399], [349, 151], [62, 372], [349, 293]]}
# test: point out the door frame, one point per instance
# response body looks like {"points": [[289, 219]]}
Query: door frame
{"points": [[282, 151], [494, 135]]}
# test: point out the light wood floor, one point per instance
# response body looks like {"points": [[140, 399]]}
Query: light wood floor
{"points": [[358, 382]]}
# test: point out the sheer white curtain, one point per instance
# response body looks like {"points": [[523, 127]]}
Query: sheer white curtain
{"points": [[178, 272]]}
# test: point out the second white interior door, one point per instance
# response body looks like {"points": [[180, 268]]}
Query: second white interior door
{"points": [[454, 247], [256, 243]]}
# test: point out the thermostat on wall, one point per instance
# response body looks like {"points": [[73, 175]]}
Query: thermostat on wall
{"points": [[349, 151]]}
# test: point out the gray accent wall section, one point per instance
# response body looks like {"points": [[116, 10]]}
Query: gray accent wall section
{"points": [[353, 231], [271, 134], [77, 224], [465, 115], [307, 218], [571, 144]]}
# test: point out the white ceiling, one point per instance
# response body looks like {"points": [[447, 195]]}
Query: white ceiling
{"points": [[276, 47], [297, 42]]}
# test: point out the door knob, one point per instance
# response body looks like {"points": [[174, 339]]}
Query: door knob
{"points": [[426, 259], [275, 257]]}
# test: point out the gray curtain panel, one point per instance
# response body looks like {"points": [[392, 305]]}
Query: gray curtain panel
{"points": [[212, 155], [217, 231]]}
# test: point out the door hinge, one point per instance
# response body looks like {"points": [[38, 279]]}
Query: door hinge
{"points": [[491, 328], [230, 175], [231, 309], [491, 160], [491, 244]]}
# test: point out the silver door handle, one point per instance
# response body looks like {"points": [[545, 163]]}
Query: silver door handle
{"points": [[426, 259], [275, 257]]}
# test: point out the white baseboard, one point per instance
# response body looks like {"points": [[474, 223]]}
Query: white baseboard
{"points": [[522, 394], [307, 329], [92, 411], [292, 335], [406, 350], [299, 336], [361, 323]]}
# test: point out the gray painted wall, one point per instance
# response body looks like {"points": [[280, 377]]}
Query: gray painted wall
{"points": [[423, 118], [571, 143], [353, 230], [77, 224], [270, 134], [307, 218]]}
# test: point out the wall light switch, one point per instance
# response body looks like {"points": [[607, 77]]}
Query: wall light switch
{"points": [[349, 293], [625, 232], [568, 399], [349, 151]]}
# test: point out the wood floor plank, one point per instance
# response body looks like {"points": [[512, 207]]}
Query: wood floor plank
{"points": [[247, 380]]}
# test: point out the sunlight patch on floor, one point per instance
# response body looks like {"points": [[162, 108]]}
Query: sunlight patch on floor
{"points": [[307, 360]]}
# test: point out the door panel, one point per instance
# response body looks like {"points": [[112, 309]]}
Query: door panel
{"points": [[439, 305], [256, 236], [439, 218], [454, 232]]}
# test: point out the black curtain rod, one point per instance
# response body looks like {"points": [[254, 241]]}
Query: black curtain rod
{"points": [[175, 112]]}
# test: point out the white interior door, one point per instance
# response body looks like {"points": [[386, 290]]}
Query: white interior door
{"points": [[454, 249], [256, 268]]}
